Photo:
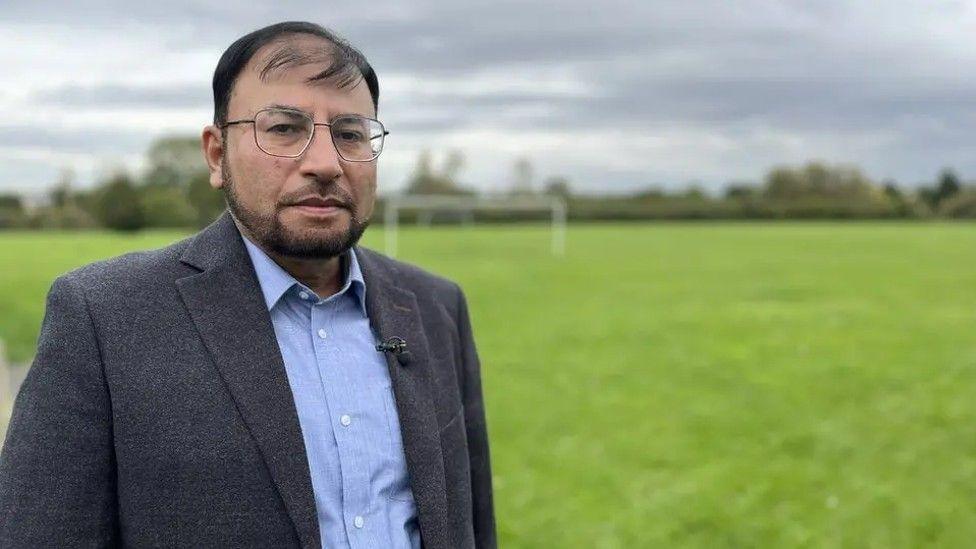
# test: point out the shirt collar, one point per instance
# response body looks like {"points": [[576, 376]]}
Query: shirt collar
{"points": [[275, 281]]}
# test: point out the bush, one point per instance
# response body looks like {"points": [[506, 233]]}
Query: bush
{"points": [[166, 206], [67, 216], [961, 205], [208, 202], [118, 205]]}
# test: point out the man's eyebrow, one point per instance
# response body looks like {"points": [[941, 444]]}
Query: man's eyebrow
{"points": [[286, 107]]}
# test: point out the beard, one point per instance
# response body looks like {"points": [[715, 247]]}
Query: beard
{"points": [[271, 234]]}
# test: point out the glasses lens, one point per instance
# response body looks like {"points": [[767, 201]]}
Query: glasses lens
{"points": [[281, 132], [357, 138]]}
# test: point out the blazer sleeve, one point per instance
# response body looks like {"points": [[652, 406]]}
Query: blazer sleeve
{"points": [[57, 469], [477, 432]]}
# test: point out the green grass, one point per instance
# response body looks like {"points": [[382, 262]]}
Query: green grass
{"points": [[693, 385]]}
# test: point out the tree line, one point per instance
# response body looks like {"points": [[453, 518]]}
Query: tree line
{"points": [[174, 192]]}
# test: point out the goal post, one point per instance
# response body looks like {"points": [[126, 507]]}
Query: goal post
{"points": [[466, 204]]}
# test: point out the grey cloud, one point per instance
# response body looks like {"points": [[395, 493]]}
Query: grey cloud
{"points": [[736, 69], [96, 141], [27, 177], [121, 96]]}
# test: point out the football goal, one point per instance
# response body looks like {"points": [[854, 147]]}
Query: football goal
{"points": [[465, 206]]}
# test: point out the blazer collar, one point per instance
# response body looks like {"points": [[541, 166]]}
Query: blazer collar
{"points": [[226, 305]]}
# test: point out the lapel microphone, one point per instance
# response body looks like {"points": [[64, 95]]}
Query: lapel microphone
{"points": [[397, 346]]}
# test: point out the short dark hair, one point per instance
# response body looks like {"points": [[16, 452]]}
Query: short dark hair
{"points": [[347, 64]]}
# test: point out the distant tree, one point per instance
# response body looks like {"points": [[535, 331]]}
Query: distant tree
{"points": [[740, 191], [694, 191], [174, 161], [849, 182], [166, 206], [818, 180], [175, 188], [948, 186], [60, 194], [962, 204], [423, 180], [784, 183], [69, 216], [426, 180], [12, 212], [927, 196], [207, 202], [425, 164], [453, 165], [88, 202], [119, 207], [654, 192], [11, 201], [899, 201], [558, 186], [522, 176], [891, 190], [66, 207]]}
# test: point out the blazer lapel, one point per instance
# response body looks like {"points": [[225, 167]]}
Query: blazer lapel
{"points": [[393, 311], [225, 303]]}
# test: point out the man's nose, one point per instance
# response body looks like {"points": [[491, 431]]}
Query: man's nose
{"points": [[321, 157]]}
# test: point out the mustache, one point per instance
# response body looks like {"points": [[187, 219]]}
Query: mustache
{"points": [[323, 192]]}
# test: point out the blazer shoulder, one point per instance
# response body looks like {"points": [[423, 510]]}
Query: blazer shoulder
{"points": [[145, 269]]}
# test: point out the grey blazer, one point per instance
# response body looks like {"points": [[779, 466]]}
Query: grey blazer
{"points": [[157, 411]]}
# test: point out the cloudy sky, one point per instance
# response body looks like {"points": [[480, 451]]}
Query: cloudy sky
{"points": [[613, 95]]}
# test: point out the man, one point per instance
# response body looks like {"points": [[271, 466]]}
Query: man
{"points": [[266, 382]]}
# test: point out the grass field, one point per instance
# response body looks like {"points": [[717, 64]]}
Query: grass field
{"points": [[693, 385]]}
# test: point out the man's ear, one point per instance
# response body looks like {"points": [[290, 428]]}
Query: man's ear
{"points": [[213, 153]]}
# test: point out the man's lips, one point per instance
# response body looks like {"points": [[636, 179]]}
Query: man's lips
{"points": [[319, 202], [319, 206]]}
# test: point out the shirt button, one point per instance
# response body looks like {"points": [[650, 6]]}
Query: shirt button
{"points": [[359, 522], [345, 420], [303, 294], [322, 333]]}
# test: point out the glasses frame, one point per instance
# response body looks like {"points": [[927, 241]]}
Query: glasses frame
{"points": [[311, 136]]}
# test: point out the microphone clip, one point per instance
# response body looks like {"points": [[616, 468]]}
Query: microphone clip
{"points": [[395, 345]]}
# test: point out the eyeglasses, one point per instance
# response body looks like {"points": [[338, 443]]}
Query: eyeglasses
{"points": [[288, 133]]}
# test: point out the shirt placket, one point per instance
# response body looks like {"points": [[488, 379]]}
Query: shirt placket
{"points": [[343, 406]]}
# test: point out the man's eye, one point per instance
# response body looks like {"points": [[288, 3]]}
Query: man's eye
{"points": [[350, 136], [284, 129]]}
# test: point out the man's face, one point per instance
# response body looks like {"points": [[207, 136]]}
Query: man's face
{"points": [[264, 192]]}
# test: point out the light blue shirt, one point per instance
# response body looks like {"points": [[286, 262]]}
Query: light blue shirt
{"points": [[346, 408]]}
